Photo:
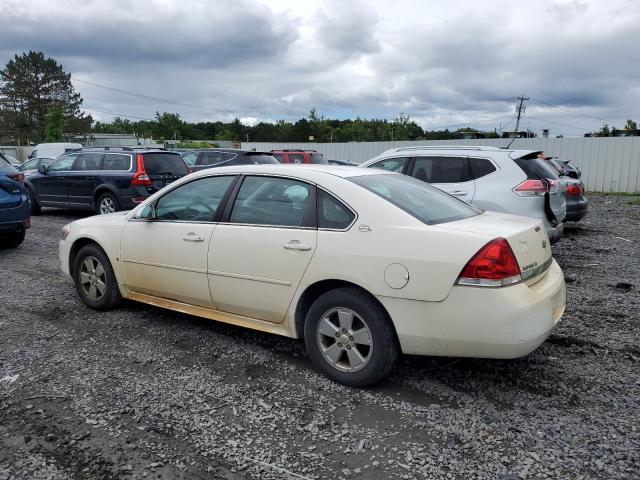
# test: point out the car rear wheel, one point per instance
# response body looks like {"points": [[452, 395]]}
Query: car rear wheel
{"points": [[13, 239], [94, 278], [107, 203], [350, 338]]}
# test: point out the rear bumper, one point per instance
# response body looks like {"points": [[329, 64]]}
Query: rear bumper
{"points": [[577, 208], [17, 218], [506, 322]]}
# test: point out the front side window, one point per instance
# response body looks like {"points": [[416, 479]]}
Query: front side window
{"points": [[196, 201], [63, 164], [88, 161], [441, 169], [30, 165], [273, 201], [419, 199], [116, 161], [397, 164], [332, 213], [190, 158]]}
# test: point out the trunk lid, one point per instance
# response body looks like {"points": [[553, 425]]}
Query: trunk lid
{"points": [[527, 238]]}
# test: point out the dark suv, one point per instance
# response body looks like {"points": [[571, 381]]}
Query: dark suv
{"points": [[224, 157], [103, 179], [14, 206]]}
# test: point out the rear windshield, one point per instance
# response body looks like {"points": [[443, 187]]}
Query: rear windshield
{"points": [[317, 158], [259, 158], [537, 168], [417, 198], [164, 164]]}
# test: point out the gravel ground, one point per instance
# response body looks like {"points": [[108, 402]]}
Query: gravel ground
{"points": [[144, 392]]}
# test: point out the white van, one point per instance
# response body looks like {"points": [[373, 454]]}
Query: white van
{"points": [[53, 150]]}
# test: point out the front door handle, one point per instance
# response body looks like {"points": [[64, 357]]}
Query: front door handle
{"points": [[458, 192], [192, 237], [296, 245]]}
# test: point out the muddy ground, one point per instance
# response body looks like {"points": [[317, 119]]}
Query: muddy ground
{"points": [[142, 392]]}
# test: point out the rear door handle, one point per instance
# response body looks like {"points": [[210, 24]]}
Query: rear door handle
{"points": [[296, 245], [192, 237], [458, 192]]}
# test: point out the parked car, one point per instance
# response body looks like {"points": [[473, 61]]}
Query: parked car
{"points": [[495, 179], [11, 160], [14, 206], [362, 263], [31, 166], [224, 157], [53, 150], [299, 156], [189, 156], [103, 179], [345, 163], [577, 202]]}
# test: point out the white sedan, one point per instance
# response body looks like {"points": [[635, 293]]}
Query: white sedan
{"points": [[362, 263]]}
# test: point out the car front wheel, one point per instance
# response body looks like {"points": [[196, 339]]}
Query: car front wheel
{"points": [[350, 338], [94, 279]]}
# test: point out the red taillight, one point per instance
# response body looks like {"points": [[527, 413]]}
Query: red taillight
{"points": [[531, 188], [140, 178], [19, 177], [494, 265], [575, 190]]}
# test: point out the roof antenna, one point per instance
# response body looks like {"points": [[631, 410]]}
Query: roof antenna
{"points": [[507, 147]]}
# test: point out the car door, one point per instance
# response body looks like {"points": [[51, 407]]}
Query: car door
{"points": [[448, 173], [165, 254], [53, 185], [257, 258], [83, 178]]}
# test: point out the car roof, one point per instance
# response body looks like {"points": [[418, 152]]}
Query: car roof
{"points": [[234, 150], [306, 171]]}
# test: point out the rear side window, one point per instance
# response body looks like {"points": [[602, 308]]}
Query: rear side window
{"points": [[392, 164], [296, 158], [441, 169], [214, 158], [419, 199], [88, 161], [537, 168], [116, 161], [332, 213], [273, 201], [481, 167], [164, 164], [317, 158]]}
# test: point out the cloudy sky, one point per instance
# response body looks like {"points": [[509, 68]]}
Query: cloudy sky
{"points": [[442, 63]]}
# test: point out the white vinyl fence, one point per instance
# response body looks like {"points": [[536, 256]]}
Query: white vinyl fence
{"points": [[608, 164]]}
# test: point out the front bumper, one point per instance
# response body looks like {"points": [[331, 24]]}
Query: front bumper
{"points": [[64, 249], [507, 322]]}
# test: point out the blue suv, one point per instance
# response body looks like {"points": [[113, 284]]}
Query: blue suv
{"points": [[105, 180], [14, 206]]}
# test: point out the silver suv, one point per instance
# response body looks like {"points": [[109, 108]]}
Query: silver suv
{"points": [[491, 178]]}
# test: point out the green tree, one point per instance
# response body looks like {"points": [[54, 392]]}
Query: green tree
{"points": [[30, 85], [167, 126], [605, 131], [54, 124], [631, 125]]}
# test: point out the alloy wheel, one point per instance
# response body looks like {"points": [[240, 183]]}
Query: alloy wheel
{"points": [[107, 206], [344, 339], [93, 278]]}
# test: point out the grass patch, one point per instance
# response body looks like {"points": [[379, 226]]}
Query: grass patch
{"points": [[615, 194], [635, 201]]}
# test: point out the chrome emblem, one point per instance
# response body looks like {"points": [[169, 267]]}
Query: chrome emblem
{"points": [[544, 243]]}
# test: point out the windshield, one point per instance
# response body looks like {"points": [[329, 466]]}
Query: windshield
{"points": [[426, 203], [317, 158], [164, 164]]}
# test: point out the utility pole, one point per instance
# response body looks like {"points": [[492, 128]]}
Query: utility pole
{"points": [[520, 108]]}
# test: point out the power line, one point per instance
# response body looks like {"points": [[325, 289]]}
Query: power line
{"points": [[559, 123], [140, 95], [569, 110], [86, 107]]}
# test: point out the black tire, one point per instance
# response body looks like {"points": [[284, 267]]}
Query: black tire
{"points": [[110, 297], [384, 344], [13, 239], [36, 209], [106, 198]]}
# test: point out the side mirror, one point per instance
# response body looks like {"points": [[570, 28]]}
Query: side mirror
{"points": [[147, 213], [42, 168]]}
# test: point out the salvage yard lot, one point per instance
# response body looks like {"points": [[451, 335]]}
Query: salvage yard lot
{"points": [[144, 392]]}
